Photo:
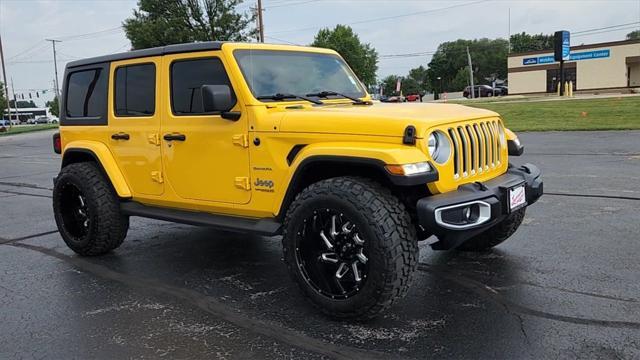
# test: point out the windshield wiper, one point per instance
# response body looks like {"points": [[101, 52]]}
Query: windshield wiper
{"points": [[325, 94], [280, 97]]}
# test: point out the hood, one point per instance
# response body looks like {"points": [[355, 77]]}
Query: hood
{"points": [[382, 119]]}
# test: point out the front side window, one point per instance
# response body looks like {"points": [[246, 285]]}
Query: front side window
{"points": [[187, 79], [86, 93], [270, 72], [135, 90]]}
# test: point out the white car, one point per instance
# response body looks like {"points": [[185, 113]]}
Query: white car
{"points": [[15, 122]]}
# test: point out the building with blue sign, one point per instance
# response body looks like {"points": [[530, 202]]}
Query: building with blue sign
{"points": [[612, 66]]}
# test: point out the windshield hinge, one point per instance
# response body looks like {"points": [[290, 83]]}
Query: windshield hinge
{"points": [[243, 182], [241, 140], [154, 139]]}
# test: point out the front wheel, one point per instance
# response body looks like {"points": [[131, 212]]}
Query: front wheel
{"points": [[350, 246], [496, 235]]}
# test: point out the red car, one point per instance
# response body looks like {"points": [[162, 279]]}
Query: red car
{"points": [[413, 97]]}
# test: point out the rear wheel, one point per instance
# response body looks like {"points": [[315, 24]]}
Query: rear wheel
{"points": [[496, 235], [350, 246], [87, 211]]}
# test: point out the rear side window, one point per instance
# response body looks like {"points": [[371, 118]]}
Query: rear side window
{"points": [[86, 93], [135, 90], [187, 78]]}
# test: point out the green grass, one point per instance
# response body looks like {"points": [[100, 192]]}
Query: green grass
{"points": [[587, 114], [27, 128]]}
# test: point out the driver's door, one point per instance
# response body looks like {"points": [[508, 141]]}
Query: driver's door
{"points": [[204, 156]]}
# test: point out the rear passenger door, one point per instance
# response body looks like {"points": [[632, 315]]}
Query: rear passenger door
{"points": [[134, 123]]}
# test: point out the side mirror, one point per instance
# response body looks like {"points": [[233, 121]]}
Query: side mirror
{"points": [[217, 98]]}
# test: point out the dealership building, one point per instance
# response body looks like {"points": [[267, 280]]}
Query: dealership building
{"points": [[611, 66]]}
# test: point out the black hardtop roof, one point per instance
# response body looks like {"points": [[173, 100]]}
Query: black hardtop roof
{"points": [[157, 51]]}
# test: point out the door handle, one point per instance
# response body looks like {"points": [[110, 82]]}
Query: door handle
{"points": [[174, 137], [120, 136]]}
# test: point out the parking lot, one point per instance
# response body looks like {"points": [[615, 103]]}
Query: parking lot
{"points": [[565, 286]]}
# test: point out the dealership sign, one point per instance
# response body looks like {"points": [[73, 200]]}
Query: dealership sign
{"points": [[585, 55]]}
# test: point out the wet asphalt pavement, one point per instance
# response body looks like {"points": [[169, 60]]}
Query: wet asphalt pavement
{"points": [[566, 285]]}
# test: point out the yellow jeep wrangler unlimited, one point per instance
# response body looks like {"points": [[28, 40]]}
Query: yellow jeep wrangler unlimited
{"points": [[283, 140]]}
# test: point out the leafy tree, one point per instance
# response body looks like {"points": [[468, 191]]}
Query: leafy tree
{"points": [[408, 85], [54, 107], [3, 100], [634, 35], [489, 58], [165, 22], [389, 85], [461, 79], [362, 58], [421, 76], [524, 42]]}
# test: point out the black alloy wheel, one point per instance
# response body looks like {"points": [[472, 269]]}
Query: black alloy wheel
{"points": [[74, 212], [331, 254]]}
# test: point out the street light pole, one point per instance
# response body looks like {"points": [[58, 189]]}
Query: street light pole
{"points": [[55, 65], [471, 75]]}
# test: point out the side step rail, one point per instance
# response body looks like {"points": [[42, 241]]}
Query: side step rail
{"points": [[266, 227]]}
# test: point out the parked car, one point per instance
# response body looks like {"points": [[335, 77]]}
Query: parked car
{"points": [[4, 122], [53, 120], [479, 91], [41, 120], [412, 97], [395, 99], [15, 122], [502, 90], [351, 188]]}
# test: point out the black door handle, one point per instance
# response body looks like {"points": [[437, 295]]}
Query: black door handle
{"points": [[120, 136], [174, 137]]}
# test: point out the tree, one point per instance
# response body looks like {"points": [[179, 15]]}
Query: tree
{"points": [[3, 100], [524, 42], [389, 84], [489, 59], [421, 76], [165, 22], [634, 35], [362, 58], [54, 107]]}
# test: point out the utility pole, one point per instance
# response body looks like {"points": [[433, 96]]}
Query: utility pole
{"points": [[4, 79], [473, 95], [55, 65], [260, 21], [509, 38]]}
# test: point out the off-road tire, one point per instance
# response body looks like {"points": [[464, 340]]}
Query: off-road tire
{"points": [[391, 238], [107, 227], [496, 235]]}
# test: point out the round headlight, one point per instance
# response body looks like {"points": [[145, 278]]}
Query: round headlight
{"points": [[439, 147]]}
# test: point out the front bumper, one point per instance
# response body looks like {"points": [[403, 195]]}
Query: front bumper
{"points": [[491, 195]]}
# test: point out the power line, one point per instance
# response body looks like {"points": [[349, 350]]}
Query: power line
{"points": [[603, 28], [386, 17], [606, 31], [281, 40], [289, 4]]}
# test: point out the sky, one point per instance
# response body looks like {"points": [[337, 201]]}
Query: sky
{"points": [[91, 28]]}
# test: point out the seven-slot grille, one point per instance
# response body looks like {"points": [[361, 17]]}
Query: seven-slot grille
{"points": [[476, 147]]}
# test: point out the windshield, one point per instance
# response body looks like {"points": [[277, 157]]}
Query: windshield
{"points": [[270, 72]]}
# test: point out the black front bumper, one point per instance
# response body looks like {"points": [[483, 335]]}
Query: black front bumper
{"points": [[493, 193]]}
